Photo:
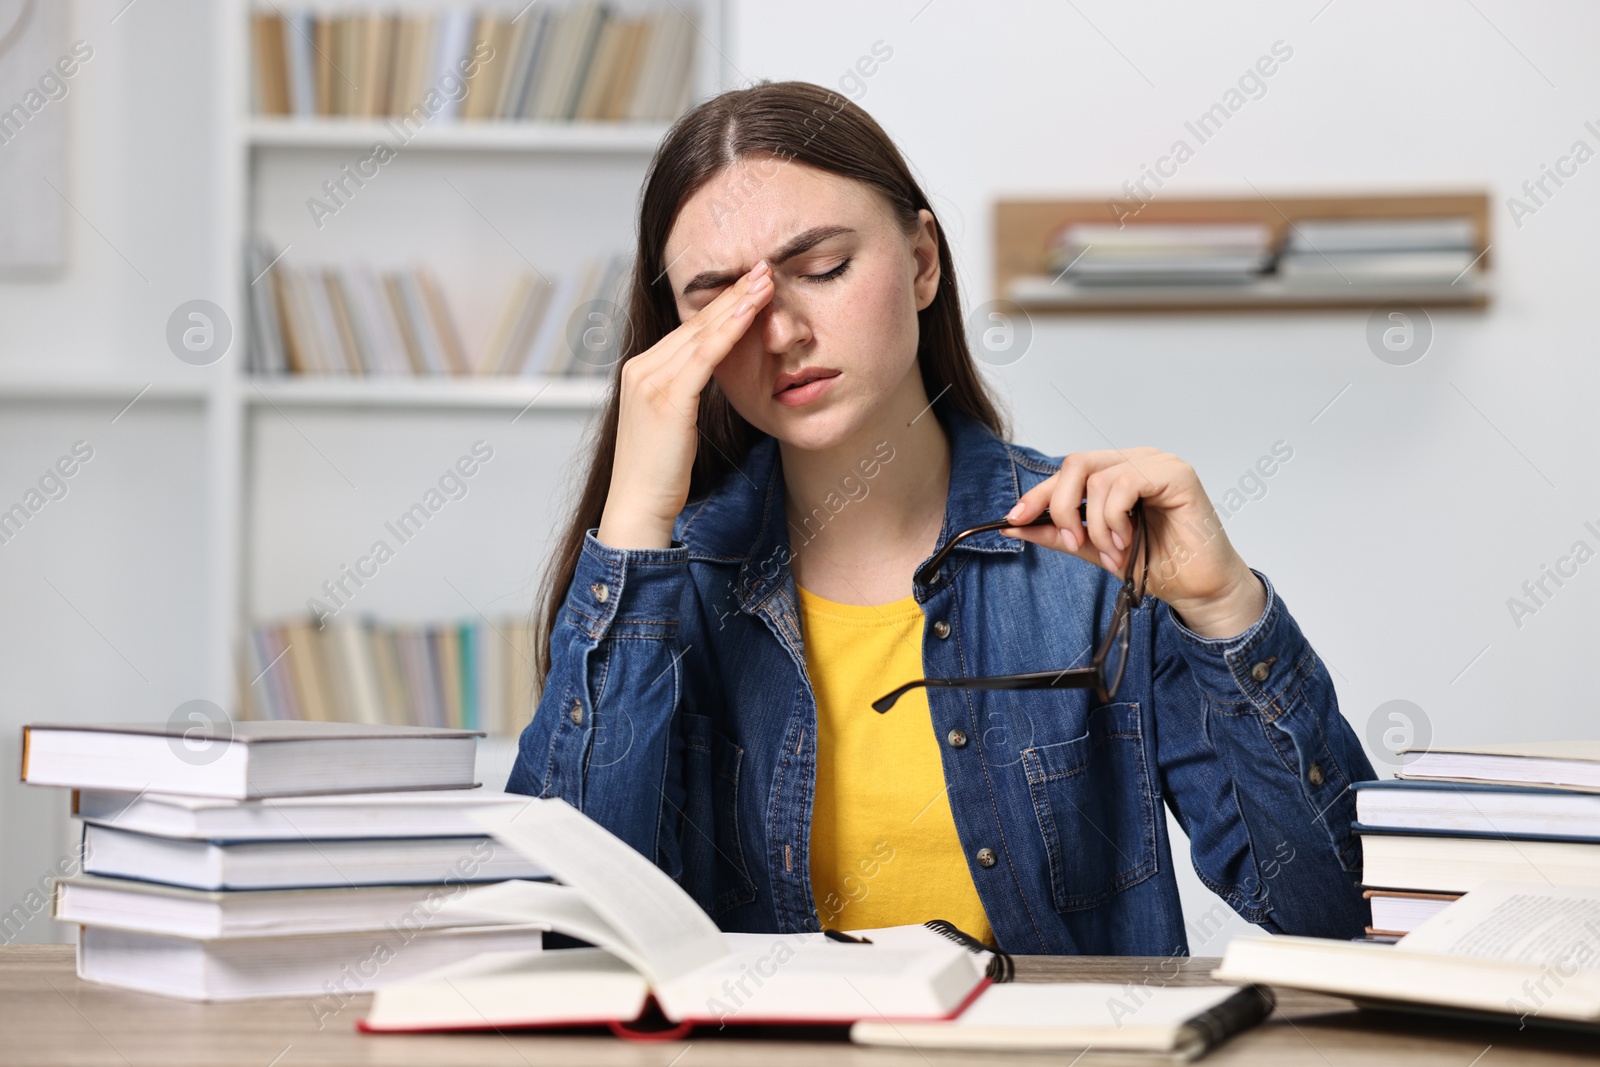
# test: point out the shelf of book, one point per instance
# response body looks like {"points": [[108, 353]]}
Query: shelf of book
{"points": [[1027, 246], [470, 674], [544, 162], [482, 392], [487, 135]]}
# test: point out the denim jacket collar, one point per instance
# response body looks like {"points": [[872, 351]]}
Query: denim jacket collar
{"points": [[744, 519]]}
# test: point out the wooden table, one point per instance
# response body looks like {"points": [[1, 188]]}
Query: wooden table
{"points": [[49, 1017]]}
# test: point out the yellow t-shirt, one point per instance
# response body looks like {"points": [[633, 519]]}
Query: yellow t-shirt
{"points": [[884, 850]]}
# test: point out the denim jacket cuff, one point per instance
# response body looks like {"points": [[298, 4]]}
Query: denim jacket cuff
{"points": [[1261, 663], [633, 591]]}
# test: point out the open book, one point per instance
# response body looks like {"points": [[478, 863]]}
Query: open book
{"points": [[1172, 1023], [1525, 952], [654, 943]]}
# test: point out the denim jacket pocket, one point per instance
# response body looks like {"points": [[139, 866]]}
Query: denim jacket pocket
{"points": [[711, 846], [1092, 798]]}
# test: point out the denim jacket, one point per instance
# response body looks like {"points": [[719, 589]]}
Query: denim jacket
{"points": [[679, 715]]}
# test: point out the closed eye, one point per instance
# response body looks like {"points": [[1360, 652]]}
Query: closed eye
{"points": [[829, 276]]}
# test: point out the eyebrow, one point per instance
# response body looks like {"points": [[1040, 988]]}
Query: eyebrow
{"points": [[804, 242]]}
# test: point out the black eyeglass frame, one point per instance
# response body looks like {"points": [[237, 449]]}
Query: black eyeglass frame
{"points": [[1091, 677]]}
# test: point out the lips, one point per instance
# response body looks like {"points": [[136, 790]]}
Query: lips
{"points": [[791, 379]]}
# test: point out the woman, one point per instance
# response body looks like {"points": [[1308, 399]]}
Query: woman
{"points": [[795, 426]]}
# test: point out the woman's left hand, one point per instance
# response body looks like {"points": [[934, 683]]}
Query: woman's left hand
{"points": [[1190, 562]]}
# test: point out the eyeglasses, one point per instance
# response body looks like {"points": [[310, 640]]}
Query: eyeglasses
{"points": [[1104, 673]]}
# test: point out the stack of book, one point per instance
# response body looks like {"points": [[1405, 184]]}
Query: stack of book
{"points": [[475, 675], [585, 62], [1456, 818], [222, 861], [1161, 253], [1379, 251], [1484, 864], [353, 319]]}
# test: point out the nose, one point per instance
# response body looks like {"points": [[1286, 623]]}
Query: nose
{"points": [[783, 323]]}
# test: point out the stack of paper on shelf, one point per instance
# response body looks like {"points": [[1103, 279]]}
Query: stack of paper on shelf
{"points": [[1458, 817], [1160, 253], [274, 858], [585, 61], [1379, 251]]}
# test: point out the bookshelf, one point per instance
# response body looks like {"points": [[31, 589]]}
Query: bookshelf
{"points": [[1023, 229], [475, 199]]}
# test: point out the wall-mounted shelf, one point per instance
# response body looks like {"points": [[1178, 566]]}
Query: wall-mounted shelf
{"points": [[1023, 230], [490, 136], [509, 393]]}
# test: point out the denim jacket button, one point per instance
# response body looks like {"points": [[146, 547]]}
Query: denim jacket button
{"points": [[941, 629], [1315, 774], [601, 591], [1260, 671], [576, 714], [986, 857], [957, 738]]}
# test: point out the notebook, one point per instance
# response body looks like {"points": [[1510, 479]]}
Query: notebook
{"points": [[1177, 1023], [656, 951], [248, 759]]}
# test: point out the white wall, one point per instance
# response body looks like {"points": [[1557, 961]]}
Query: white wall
{"points": [[1413, 508], [1421, 500], [104, 589]]}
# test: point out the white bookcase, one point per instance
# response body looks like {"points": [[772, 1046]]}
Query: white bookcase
{"points": [[303, 469]]}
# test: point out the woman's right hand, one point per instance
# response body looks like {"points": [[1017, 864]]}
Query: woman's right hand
{"points": [[659, 407]]}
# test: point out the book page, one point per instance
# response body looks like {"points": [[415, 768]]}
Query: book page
{"points": [[555, 907], [1534, 923], [666, 930]]}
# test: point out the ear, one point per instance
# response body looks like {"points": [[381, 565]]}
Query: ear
{"points": [[925, 253]]}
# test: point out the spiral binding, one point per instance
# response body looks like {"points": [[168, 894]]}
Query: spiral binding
{"points": [[1002, 968]]}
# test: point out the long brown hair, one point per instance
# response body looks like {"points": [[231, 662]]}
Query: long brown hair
{"points": [[793, 121]]}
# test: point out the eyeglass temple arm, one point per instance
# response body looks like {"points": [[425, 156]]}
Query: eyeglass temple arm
{"points": [[929, 569], [925, 574], [1070, 678]]}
